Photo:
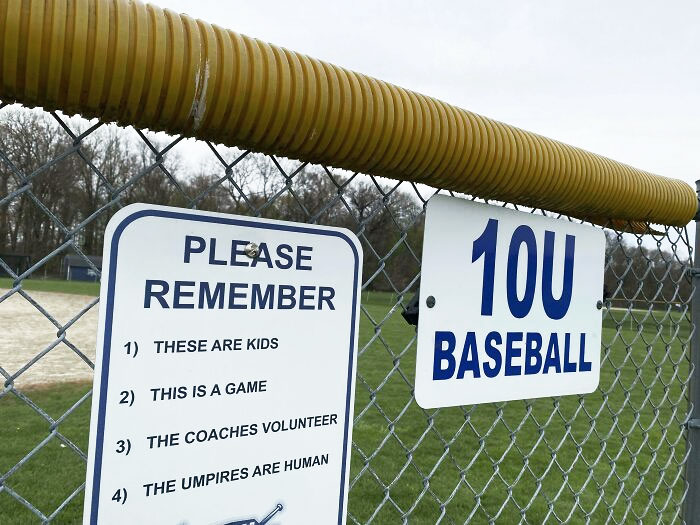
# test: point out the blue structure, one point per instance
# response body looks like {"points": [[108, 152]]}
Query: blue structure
{"points": [[77, 268]]}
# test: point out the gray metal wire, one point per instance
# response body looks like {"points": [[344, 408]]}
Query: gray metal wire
{"points": [[614, 456]]}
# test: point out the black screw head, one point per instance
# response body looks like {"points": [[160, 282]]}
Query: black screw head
{"points": [[599, 305], [430, 301]]}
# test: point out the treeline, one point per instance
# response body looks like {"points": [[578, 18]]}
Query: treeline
{"points": [[74, 192], [641, 275]]}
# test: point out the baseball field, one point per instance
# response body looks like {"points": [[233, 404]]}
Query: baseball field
{"points": [[573, 457]]}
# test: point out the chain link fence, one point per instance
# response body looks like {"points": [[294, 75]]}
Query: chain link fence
{"points": [[617, 455]]}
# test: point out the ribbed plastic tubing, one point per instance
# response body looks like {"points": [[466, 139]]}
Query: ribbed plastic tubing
{"points": [[140, 65]]}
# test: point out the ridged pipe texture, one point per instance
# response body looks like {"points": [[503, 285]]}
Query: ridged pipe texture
{"points": [[136, 64]]}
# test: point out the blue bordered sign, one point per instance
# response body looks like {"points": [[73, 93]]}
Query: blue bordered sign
{"points": [[224, 379], [510, 305]]}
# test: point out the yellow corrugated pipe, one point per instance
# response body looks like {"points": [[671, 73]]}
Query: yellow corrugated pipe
{"points": [[136, 64]]}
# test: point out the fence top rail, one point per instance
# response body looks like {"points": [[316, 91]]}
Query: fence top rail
{"points": [[137, 64]]}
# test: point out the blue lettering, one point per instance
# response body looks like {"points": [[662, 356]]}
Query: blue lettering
{"points": [[470, 357], [444, 354], [568, 366], [212, 253], [164, 287], [286, 293], [511, 352], [583, 365], [233, 295], [326, 295], [306, 294], [262, 301], [552, 359], [190, 248], [211, 299], [533, 345], [301, 257], [493, 338], [520, 308], [557, 308], [288, 258], [236, 250], [263, 256], [486, 245], [178, 294]]}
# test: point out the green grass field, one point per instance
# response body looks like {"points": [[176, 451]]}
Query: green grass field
{"points": [[611, 454], [55, 285]]}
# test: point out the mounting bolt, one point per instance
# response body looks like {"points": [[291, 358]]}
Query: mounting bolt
{"points": [[252, 250], [430, 301], [599, 305]]}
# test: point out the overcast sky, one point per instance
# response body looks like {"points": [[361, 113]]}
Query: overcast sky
{"points": [[619, 78]]}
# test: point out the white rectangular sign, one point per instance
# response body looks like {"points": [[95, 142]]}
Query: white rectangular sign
{"points": [[224, 380], [508, 305]]}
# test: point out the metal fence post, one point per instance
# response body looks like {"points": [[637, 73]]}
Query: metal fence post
{"points": [[692, 505]]}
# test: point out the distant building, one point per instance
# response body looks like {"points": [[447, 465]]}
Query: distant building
{"points": [[17, 263], [76, 268]]}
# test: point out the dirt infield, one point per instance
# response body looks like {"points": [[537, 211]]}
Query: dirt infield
{"points": [[25, 332]]}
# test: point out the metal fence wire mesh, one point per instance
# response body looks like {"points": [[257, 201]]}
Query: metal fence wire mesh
{"points": [[614, 456]]}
